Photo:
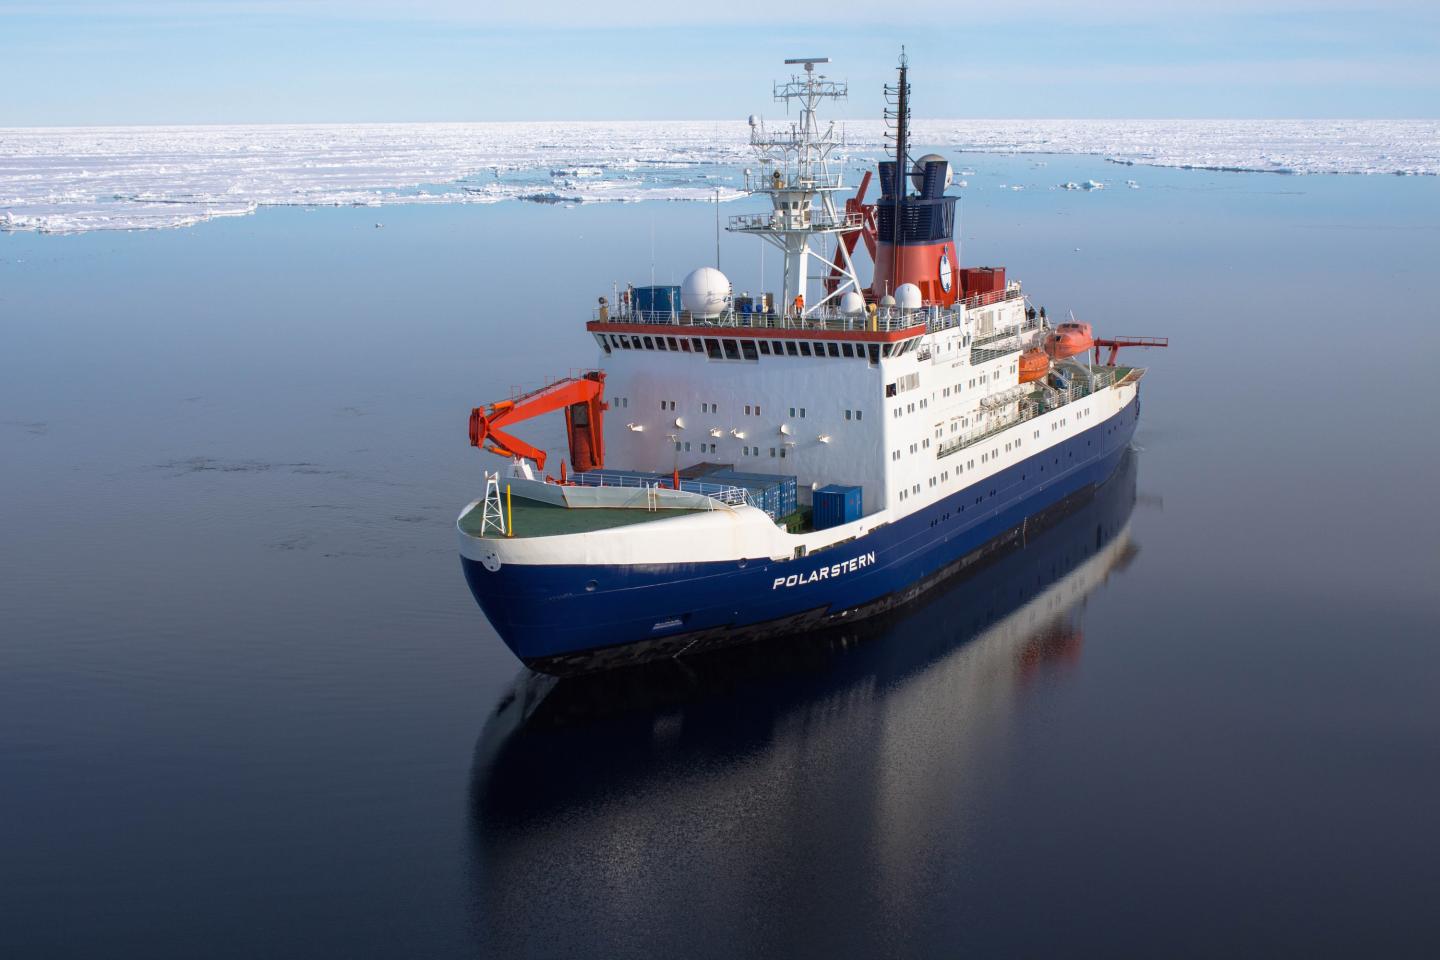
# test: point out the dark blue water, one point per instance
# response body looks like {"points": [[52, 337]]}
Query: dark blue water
{"points": [[247, 707]]}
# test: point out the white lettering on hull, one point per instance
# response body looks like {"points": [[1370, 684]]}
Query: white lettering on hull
{"points": [[826, 573]]}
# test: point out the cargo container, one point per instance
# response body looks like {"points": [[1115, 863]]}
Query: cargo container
{"points": [[978, 280], [776, 494], [835, 504], [656, 303]]}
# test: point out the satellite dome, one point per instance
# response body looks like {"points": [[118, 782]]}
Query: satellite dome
{"points": [[907, 296], [705, 292], [887, 301], [851, 303], [917, 175]]}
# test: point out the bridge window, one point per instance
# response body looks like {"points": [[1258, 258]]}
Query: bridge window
{"points": [[848, 349], [649, 344], [791, 348], [747, 347], [804, 348], [833, 349], [732, 350], [764, 346]]}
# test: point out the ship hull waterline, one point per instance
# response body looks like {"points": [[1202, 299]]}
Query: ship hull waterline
{"points": [[572, 619]]}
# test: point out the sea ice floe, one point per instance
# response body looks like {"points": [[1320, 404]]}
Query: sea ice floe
{"points": [[63, 180]]}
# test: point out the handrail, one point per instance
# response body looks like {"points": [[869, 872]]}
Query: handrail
{"points": [[1028, 408], [795, 221], [827, 317], [721, 493]]}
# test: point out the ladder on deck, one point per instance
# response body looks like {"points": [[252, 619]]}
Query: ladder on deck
{"points": [[492, 517]]}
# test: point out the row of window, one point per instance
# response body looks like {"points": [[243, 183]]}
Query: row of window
{"points": [[900, 411], [751, 409], [778, 453], [727, 348]]}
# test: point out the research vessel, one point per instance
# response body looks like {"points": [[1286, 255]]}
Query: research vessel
{"points": [[742, 467]]}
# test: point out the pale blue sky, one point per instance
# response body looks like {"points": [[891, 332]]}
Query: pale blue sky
{"points": [[223, 61]]}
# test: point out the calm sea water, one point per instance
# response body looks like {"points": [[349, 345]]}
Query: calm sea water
{"points": [[248, 708]]}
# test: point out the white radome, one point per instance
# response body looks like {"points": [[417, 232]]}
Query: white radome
{"points": [[907, 296], [705, 292], [852, 304], [917, 175]]}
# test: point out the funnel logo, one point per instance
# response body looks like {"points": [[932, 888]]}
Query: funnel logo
{"points": [[945, 276]]}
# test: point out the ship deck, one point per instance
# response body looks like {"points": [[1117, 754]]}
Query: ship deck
{"points": [[531, 518]]}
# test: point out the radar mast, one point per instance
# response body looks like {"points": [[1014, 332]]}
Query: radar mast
{"points": [[795, 171]]}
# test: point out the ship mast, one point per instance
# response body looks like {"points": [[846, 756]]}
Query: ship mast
{"points": [[795, 172], [900, 116]]}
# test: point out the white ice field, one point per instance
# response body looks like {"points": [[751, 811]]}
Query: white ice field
{"points": [[69, 180]]}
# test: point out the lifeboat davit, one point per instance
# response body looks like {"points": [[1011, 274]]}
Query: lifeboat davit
{"points": [[1034, 364], [1068, 339]]}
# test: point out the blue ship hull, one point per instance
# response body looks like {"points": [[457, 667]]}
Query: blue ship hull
{"points": [[635, 613]]}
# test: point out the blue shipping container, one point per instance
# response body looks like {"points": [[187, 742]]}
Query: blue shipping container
{"points": [[835, 505], [776, 494], [656, 303]]}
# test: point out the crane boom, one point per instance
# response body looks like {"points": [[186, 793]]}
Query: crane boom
{"points": [[580, 397], [1116, 343]]}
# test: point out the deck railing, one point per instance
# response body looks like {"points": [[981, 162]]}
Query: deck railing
{"points": [[1032, 405], [827, 317], [726, 494], [798, 221]]}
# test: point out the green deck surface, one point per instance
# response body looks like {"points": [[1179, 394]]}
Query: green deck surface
{"points": [[535, 519]]}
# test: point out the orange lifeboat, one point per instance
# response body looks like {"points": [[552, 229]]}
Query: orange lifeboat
{"points": [[1068, 339], [1034, 364]]}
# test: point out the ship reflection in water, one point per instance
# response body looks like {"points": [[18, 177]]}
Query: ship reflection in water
{"points": [[792, 782]]}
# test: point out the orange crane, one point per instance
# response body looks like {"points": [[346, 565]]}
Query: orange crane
{"points": [[1118, 342], [582, 400]]}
